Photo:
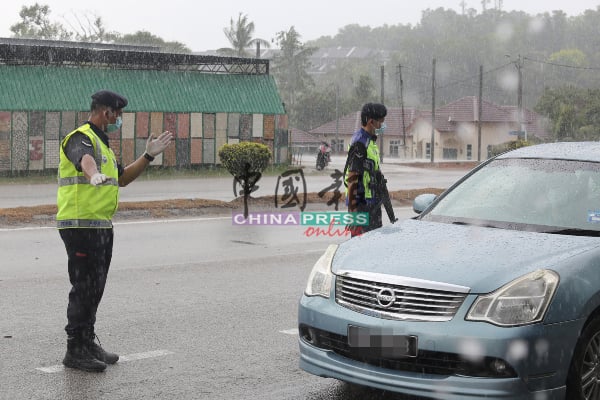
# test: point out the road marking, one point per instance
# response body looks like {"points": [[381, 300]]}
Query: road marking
{"points": [[294, 332], [139, 222], [130, 357]]}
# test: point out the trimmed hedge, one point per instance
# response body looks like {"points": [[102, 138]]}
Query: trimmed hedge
{"points": [[242, 159]]}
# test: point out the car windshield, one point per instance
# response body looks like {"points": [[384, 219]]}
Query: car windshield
{"points": [[543, 195]]}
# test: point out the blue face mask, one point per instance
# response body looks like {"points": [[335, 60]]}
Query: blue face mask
{"points": [[110, 128], [379, 131]]}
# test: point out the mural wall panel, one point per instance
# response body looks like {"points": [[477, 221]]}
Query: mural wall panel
{"points": [[246, 127], [82, 117], [183, 125], [170, 156], [156, 123], [20, 142], [52, 153], [233, 125], [36, 153], [196, 151], [36, 123], [5, 125], [196, 125], [208, 150], [209, 126], [67, 123], [269, 126], [257, 125], [52, 125], [4, 155], [142, 124], [140, 147], [127, 151], [183, 152], [128, 129], [170, 123]]}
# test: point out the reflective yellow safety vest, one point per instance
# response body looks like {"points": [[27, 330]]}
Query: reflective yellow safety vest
{"points": [[80, 204], [370, 167]]}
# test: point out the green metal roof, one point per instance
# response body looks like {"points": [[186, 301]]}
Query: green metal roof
{"points": [[48, 88]]}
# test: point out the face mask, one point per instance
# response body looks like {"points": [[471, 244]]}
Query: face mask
{"points": [[114, 127], [379, 131]]}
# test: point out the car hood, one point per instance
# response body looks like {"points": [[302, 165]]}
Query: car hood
{"points": [[480, 258]]}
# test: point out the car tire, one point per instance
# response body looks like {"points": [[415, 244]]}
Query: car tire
{"points": [[584, 372]]}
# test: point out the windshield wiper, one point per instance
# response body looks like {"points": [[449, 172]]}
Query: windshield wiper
{"points": [[575, 232]]}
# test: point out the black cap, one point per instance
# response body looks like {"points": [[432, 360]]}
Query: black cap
{"points": [[110, 99]]}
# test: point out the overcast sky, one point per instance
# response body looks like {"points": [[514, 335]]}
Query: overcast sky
{"points": [[199, 24]]}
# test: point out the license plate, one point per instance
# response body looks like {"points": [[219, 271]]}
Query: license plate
{"points": [[377, 342]]}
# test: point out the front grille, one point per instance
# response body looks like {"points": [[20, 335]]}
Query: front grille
{"points": [[397, 301], [426, 362]]}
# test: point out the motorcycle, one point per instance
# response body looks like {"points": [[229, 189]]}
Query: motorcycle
{"points": [[323, 156]]}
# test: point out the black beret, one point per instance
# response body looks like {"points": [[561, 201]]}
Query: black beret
{"points": [[110, 99]]}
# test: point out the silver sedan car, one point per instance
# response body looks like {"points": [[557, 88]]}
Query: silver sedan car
{"points": [[492, 291]]}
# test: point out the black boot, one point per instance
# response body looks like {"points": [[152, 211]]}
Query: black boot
{"points": [[97, 351], [79, 357]]}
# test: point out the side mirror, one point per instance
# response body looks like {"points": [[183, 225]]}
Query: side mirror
{"points": [[422, 201]]}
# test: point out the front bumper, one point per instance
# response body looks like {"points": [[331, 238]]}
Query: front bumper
{"points": [[539, 354]]}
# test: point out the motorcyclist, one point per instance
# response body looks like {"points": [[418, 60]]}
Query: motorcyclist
{"points": [[324, 155]]}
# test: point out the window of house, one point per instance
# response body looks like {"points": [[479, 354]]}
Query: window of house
{"points": [[394, 147], [450, 154], [427, 150], [469, 151]]}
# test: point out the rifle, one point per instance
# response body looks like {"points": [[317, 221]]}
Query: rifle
{"points": [[384, 195]]}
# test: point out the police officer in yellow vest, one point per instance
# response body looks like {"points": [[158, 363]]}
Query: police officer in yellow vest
{"points": [[362, 168], [88, 194]]}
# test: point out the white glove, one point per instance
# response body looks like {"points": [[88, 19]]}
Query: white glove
{"points": [[98, 179], [156, 146]]}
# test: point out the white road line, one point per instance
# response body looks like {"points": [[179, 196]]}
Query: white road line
{"points": [[130, 357], [140, 222], [290, 332]]}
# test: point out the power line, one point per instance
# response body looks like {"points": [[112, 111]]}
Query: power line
{"points": [[562, 65]]}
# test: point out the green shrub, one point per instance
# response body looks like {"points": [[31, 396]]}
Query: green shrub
{"points": [[242, 159]]}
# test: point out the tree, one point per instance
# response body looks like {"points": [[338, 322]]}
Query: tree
{"points": [[240, 34], [290, 68], [90, 28], [573, 112], [147, 38], [35, 23]]}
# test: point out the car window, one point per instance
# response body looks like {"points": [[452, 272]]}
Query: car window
{"points": [[527, 192]]}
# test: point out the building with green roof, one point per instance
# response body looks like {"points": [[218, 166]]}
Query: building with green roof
{"points": [[45, 90]]}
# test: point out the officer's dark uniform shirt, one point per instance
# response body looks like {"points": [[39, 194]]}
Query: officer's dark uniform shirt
{"points": [[357, 163], [79, 145]]}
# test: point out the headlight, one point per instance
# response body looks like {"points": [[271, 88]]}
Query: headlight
{"points": [[520, 302], [319, 280]]}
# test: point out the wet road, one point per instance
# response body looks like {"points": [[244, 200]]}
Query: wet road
{"points": [[399, 176], [198, 309]]}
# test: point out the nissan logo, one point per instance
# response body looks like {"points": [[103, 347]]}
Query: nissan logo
{"points": [[386, 297]]}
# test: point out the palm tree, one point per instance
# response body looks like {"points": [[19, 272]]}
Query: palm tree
{"points": [[240, 35]]}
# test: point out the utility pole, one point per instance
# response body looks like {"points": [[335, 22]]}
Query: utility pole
{"points": [[479, 113], [432, 144], [402, 108], [381, 146], [519, 65], [337, 120]]}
